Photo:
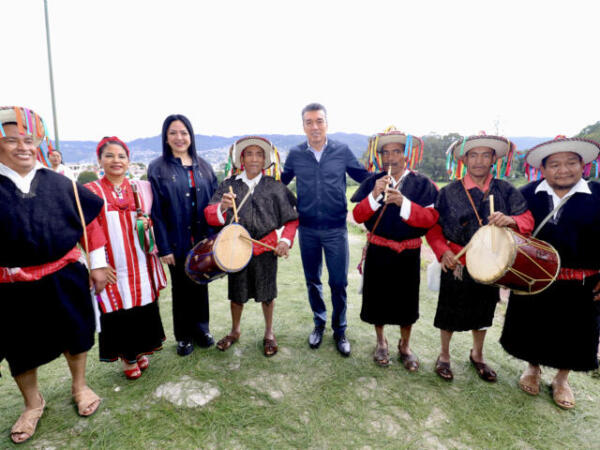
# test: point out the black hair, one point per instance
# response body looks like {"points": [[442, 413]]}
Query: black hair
{"points": [[546, 159], [167, 151], [314, 107], [106, 144]]}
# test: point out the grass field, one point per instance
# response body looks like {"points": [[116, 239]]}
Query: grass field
{"points": [[304, 398]]}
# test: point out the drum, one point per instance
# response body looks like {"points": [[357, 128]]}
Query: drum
{"points": [[218, 255], [501, 256]]}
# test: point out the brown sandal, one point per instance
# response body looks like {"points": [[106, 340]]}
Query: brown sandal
{"points": [[84, 399], [563, 395], [382, 356], [530, 383], [484, 371], [443, 370], [410, 362], [270, 346], [27, 422], [227, 342]]}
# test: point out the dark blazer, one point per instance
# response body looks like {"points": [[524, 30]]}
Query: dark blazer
{"points": [[321, 186], [178, 225]]}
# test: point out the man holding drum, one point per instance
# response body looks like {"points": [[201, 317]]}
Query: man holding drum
{"points": [[464, 206], [558, 327], [396, 206], [264, 204]]}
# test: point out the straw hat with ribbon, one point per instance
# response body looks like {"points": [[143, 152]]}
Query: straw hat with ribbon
{"points": [[272, 166], [28, 123], [503, 147], [588, 149], [413, 148]]}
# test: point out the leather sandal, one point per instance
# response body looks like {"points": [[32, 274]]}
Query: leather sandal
{"points": [[410, 362], [227, 342], [530, 383], [443, 370], [27, 422], [484, 371], [143, 363], [85, 399], [563, 395], [382, 355], [270, 346]]}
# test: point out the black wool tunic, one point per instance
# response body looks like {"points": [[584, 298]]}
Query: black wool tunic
{"points": [[559, 327], [464, 304], [269, 207], [42, 319], [391, 279]]}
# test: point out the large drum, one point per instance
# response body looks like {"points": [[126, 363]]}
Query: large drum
{"points": [[218, 255], [501, 256]]}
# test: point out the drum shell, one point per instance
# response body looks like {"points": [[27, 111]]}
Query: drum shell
{"points": [[202, 264], [547, 261], [532, 266]]}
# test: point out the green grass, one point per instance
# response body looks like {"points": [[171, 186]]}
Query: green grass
{"points": [[303, 398]]}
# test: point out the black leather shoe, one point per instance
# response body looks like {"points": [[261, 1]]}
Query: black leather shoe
{"points": [[315, 338], [342, 345], [184, 348], [205, 340]]}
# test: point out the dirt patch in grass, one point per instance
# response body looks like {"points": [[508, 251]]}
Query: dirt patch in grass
{"points": [[187, 392], [275, 386]]}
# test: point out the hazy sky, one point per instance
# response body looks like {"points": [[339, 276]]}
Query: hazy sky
{"points": [[238, 67]]}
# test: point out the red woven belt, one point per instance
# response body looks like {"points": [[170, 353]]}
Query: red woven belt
{"points": [[34, 273], [575, 274], [394, 245]]}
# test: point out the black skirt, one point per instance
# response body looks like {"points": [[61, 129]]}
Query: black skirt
{"points": [[131, 333], [42, 319], [557, 327], [391, 286], [258, 280], [465, 304]]}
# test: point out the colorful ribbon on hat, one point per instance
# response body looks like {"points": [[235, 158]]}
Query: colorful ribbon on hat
{"points": [[457, 169], [591, 169], [413, 153], [274, 170]]}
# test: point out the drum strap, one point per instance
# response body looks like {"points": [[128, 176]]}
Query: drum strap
{"points": [[554, 211], [250, 191], [472, 203]]}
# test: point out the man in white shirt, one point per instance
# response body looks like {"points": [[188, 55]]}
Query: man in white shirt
{"points": [[47, 309], [558, 327], [264, 205]]}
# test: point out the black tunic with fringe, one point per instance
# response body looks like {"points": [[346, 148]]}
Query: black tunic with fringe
{"points": [[464, 304], [42, 319], [270, 206], [391, 279], [559, 327]]}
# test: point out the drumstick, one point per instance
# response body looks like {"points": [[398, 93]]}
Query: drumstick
{"points": [[389, 175], [258, 242], [235, 216], [462, 252], [493, 227]]}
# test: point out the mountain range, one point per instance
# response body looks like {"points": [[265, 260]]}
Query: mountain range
{"points": [[214, 148]]}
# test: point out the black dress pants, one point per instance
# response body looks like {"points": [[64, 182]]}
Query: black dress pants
{"points": [[190, 305]]}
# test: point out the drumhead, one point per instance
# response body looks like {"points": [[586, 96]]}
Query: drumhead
{"points": [[487, 263], [231, 252]]}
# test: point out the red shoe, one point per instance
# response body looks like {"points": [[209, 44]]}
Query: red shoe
{"points": [[133, 374], [143, 363]]}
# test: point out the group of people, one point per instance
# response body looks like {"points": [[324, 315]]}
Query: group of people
{"points": [[128, 228]]}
